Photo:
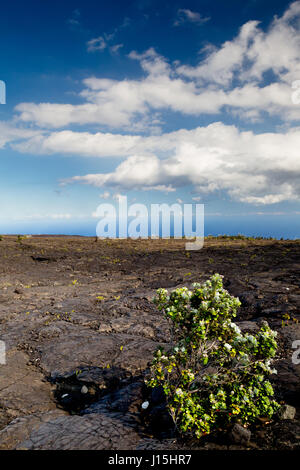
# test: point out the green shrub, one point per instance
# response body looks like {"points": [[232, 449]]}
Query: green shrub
{"points": [[213, 375], [20, 238]]}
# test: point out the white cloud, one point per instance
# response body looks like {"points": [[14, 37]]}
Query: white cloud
{"points": [[185, 15], [82, 143], [259, 168], [45, 216], [254, 52], [10, 133], [118, 104], [96, 44], [220, 64], [229, 79], [102, 42], [253, 168], [115, 49]]}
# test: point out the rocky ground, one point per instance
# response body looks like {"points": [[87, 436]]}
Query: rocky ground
{"points": [[80, 330]]}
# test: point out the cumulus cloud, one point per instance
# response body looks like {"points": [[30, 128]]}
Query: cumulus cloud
{"points": [[10, 133], [221, 63], [253, 168], [82, 143], [254, 52], [120, 104], [249, 76], [231, 79]]}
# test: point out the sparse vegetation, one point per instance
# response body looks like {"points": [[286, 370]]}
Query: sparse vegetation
{"points": [[62, 327], [20, 238], [239, 236]]}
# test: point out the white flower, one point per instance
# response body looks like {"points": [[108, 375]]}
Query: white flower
{"points": [[145, 405], [235, 327], [227, 346]]}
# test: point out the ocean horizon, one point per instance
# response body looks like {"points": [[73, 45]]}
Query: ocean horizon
{"points": [[283, 226]]}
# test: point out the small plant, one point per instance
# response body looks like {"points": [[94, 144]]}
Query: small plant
{"points": [[99, 298], [213, 375], [286, 317]]}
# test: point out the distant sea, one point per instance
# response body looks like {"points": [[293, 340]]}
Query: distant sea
{"points": [[281, 226]]}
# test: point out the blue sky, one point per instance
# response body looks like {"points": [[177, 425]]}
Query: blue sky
{"points": [[188, 101]]}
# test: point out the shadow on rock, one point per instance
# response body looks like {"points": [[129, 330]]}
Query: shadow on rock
{"points": [[114, 392]]}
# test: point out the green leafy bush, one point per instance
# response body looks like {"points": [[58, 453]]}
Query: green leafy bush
{"points": [[213, 375]]}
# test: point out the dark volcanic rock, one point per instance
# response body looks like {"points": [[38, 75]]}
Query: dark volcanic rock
{"points": [[127, 399], [247, 298], [89, 432], [240, 435], [80, 331], [278, 310], [20, 429], [287, 412]]}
